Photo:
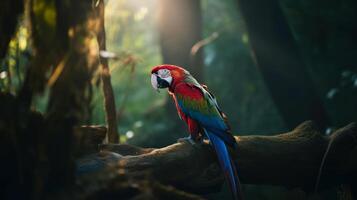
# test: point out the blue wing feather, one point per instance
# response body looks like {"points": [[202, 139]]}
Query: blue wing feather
{"points": [[225, 162]]}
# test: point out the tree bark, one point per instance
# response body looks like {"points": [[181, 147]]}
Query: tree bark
{"points": [[109, 99], [276, 54], [290, 159]]}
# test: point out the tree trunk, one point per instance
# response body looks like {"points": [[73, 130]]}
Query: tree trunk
{"points": [[109, 100], [281, 64], [37, 151], [70, 95]]}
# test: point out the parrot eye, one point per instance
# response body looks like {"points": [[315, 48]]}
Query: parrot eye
{"points": [[164, 73]]}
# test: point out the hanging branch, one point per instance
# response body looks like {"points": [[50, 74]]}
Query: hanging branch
{"points": [[109, 100], [198, 46]]}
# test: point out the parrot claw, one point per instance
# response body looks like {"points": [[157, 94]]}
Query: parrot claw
{"points": [[187, 139]]}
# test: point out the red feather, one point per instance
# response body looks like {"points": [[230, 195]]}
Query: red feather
{"points": [[193, 126]]}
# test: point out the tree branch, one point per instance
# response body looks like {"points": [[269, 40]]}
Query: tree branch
{"points": [[289, 159], [109, 98]]}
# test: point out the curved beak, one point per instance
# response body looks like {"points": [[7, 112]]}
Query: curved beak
{"points": [[154, 82]]}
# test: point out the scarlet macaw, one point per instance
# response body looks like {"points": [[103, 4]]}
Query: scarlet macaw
{"points": [[199, 109]]}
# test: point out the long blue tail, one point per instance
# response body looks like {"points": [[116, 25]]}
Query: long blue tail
{"points": [[226, 163]]}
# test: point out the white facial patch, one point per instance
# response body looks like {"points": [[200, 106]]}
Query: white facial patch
{"points": [[154, 81], [165, 74]]}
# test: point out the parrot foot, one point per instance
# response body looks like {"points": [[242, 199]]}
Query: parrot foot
{"points": [[187, 139]]}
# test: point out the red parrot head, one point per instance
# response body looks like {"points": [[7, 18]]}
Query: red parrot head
{"points": [[164, 76]]}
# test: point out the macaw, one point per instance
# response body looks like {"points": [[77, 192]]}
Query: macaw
{"points": [[199, 109]]}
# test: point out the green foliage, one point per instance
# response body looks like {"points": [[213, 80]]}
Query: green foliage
{"points": [[44, 15], [13, 66]]}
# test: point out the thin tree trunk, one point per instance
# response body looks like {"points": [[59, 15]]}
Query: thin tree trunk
{"points": [[281, 64], [109, 99]]}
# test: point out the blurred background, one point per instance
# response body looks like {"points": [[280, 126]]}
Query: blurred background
{"points": [[271, 65]]}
